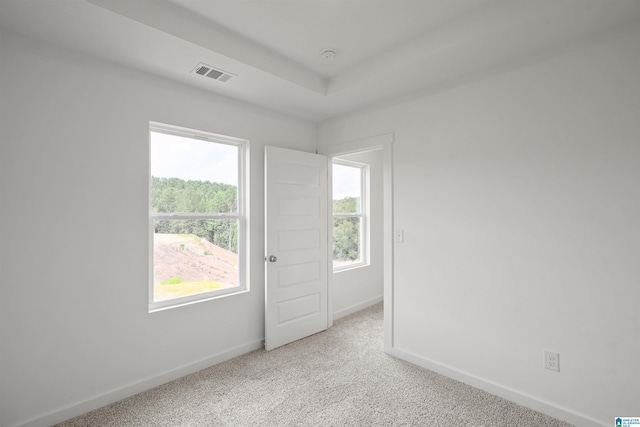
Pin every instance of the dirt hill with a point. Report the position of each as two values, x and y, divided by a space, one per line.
192 259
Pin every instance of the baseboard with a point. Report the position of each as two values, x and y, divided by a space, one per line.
112 396
532 402
357 307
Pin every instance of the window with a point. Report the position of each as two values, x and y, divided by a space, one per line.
350 214
197 216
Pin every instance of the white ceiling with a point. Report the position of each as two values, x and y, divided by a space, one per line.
358 30
386 49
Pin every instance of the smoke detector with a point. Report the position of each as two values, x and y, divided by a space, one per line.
328 54
213 73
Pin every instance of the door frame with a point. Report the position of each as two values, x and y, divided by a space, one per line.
385 143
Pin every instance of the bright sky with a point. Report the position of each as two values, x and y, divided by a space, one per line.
193 159
346 181
197 160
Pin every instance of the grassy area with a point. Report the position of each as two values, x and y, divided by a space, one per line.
171 289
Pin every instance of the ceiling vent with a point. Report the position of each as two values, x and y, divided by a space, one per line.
213 73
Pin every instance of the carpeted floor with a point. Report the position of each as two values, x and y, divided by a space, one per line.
340 377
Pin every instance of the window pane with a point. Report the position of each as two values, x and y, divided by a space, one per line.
347 188
346 241
193 176
194 256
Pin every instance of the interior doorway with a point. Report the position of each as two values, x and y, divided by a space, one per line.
300 169
357 234
383 144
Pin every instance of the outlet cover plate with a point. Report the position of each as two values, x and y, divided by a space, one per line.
552 360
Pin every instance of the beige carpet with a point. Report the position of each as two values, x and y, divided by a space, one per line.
340 377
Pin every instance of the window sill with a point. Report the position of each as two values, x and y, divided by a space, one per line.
350 267
182 302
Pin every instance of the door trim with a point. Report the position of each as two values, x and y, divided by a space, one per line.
385 143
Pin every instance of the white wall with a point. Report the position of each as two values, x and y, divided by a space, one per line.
74 325
519 197
357 288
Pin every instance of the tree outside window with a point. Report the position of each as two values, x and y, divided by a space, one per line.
349 214
196 211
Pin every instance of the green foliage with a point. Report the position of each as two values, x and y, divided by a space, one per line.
346 230
347 205
172 281
174 195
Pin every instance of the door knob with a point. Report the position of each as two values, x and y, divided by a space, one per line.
273 258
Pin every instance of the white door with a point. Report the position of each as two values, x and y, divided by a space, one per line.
296 245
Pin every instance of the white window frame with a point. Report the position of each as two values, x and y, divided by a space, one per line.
363 215
242 216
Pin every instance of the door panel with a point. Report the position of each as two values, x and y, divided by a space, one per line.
296 242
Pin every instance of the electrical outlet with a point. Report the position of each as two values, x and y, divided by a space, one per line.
551 361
